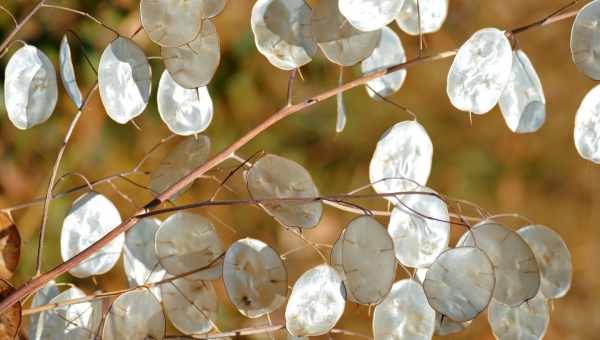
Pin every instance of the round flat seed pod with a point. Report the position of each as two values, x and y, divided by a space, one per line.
274 177
316 303
194 64
212 8
67 72
585 39
139 255
255 278
185 111
553 258
480 71
190 305
30 89
367 260
124 80
370 15
587 125
432 16
404 314
171 23
341 43
186 242
135 315
90 218
36 320
10 247
444 326
79 321
389 52
335 260
403 154
10 320
419 228
522 103
460 283
189 154
528 321
515 267
282 32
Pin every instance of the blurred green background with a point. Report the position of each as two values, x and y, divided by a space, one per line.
538 175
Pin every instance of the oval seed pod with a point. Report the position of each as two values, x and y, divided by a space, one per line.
404 314
171 23
194 64
480 71
553 258
186 112
341 43
90 218
368 262
124 80
431 14
403 154
255 277
335 260
316 303
522 103
388 53
190 305
282 32
189 154
134 315
527 321
36 320
587 126
67 72
140 262
419 228
585 40
460 283
515 267
186 242
273 177
370 15
212 8
30 89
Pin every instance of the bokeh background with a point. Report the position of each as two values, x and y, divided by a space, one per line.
538 175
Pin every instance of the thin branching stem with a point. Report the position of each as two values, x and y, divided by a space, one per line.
82 13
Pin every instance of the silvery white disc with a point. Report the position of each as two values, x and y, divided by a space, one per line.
316 303
190 305
335 260
282 32
403 153
553 258
587 126
171 23
419 240
341 42
186 112
480 71
67 72
189 154
370 15
90 218
140 262
585 39
515 267
37 327
368 261
273 177
460 283
528 321
186 242
134 315
255 278
444 326
432 15
212 8
404 314
124 80
522 103
388 53
30 89
194 64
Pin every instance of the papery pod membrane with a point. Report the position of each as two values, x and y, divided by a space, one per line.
370 15
36 321
10 319
190 305
585 37
430 13
134 315
172 23
67 72
10 247
389 52
529 321
587 126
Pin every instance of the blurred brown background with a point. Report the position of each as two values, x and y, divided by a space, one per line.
538 175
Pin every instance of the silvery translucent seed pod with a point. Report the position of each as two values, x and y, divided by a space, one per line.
370 15
587 126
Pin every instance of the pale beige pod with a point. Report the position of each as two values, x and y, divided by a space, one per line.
171 23
135 315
